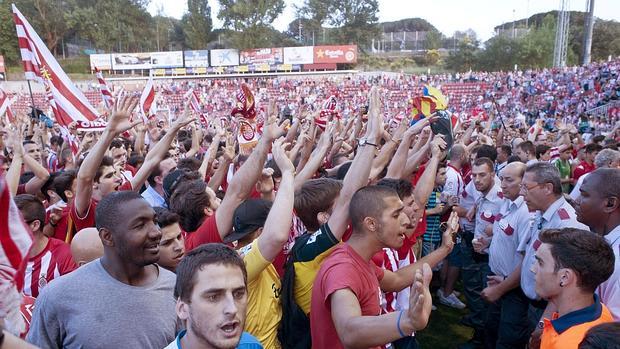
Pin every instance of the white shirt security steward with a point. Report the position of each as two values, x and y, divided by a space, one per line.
487 208
511 226
559 215
609 291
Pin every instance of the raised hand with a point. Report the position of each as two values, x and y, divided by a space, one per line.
279 156
438 145
452 228
420 301
272 130
119 121
185 119
229 150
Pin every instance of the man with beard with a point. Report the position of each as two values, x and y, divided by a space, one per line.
123 294
598 207
212 299
475 253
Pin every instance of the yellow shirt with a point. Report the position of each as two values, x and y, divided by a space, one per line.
305 273
307 261
264 309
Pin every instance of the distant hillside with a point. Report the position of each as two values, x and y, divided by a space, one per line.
536 20
407 25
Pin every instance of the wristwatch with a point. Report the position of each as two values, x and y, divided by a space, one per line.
540 325
364 141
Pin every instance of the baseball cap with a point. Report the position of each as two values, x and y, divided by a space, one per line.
248 217
171 181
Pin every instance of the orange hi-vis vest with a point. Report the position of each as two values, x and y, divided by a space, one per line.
566 332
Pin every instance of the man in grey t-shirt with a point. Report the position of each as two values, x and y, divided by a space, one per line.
123 299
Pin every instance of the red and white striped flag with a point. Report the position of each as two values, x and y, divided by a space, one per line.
5 102
40 65
147 98
71 139
10 115
15 243
194 104
106 94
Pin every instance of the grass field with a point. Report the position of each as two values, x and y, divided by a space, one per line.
444 330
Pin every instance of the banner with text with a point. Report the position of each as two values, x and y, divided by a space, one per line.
298 55
199 58
335 54
261 55
128 61
101 61
224 57
172 59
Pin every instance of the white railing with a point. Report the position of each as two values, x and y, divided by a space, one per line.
603 109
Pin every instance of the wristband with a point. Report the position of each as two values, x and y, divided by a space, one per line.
398 324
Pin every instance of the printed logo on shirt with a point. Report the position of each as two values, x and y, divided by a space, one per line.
487 217
313 237
42 281
563 214
277 291
244 250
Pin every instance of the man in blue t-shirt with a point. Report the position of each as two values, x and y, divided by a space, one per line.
212 299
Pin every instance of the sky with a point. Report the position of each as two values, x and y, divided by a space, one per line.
446 15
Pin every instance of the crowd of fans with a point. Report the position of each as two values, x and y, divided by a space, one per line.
339 228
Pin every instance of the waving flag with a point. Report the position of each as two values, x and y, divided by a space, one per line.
15 243
437 96
108 100
147 98
194 104
5 102
422 107
41 66
328 112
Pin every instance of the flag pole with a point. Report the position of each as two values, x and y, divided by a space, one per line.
31 95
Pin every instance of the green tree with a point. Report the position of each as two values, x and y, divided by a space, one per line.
605 40
355 20
197 24
537 48
250 20
8 37
433 39
500 53
464 58
48 17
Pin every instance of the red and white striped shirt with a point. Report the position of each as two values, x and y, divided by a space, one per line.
392 260
55 260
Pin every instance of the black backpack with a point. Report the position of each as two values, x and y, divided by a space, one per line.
294 329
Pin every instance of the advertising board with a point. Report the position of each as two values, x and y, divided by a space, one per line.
335 54
101 61
261 55
129 61
298 55
224 57
198 58
171 59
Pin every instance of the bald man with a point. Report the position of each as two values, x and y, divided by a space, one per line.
86 246
506 323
